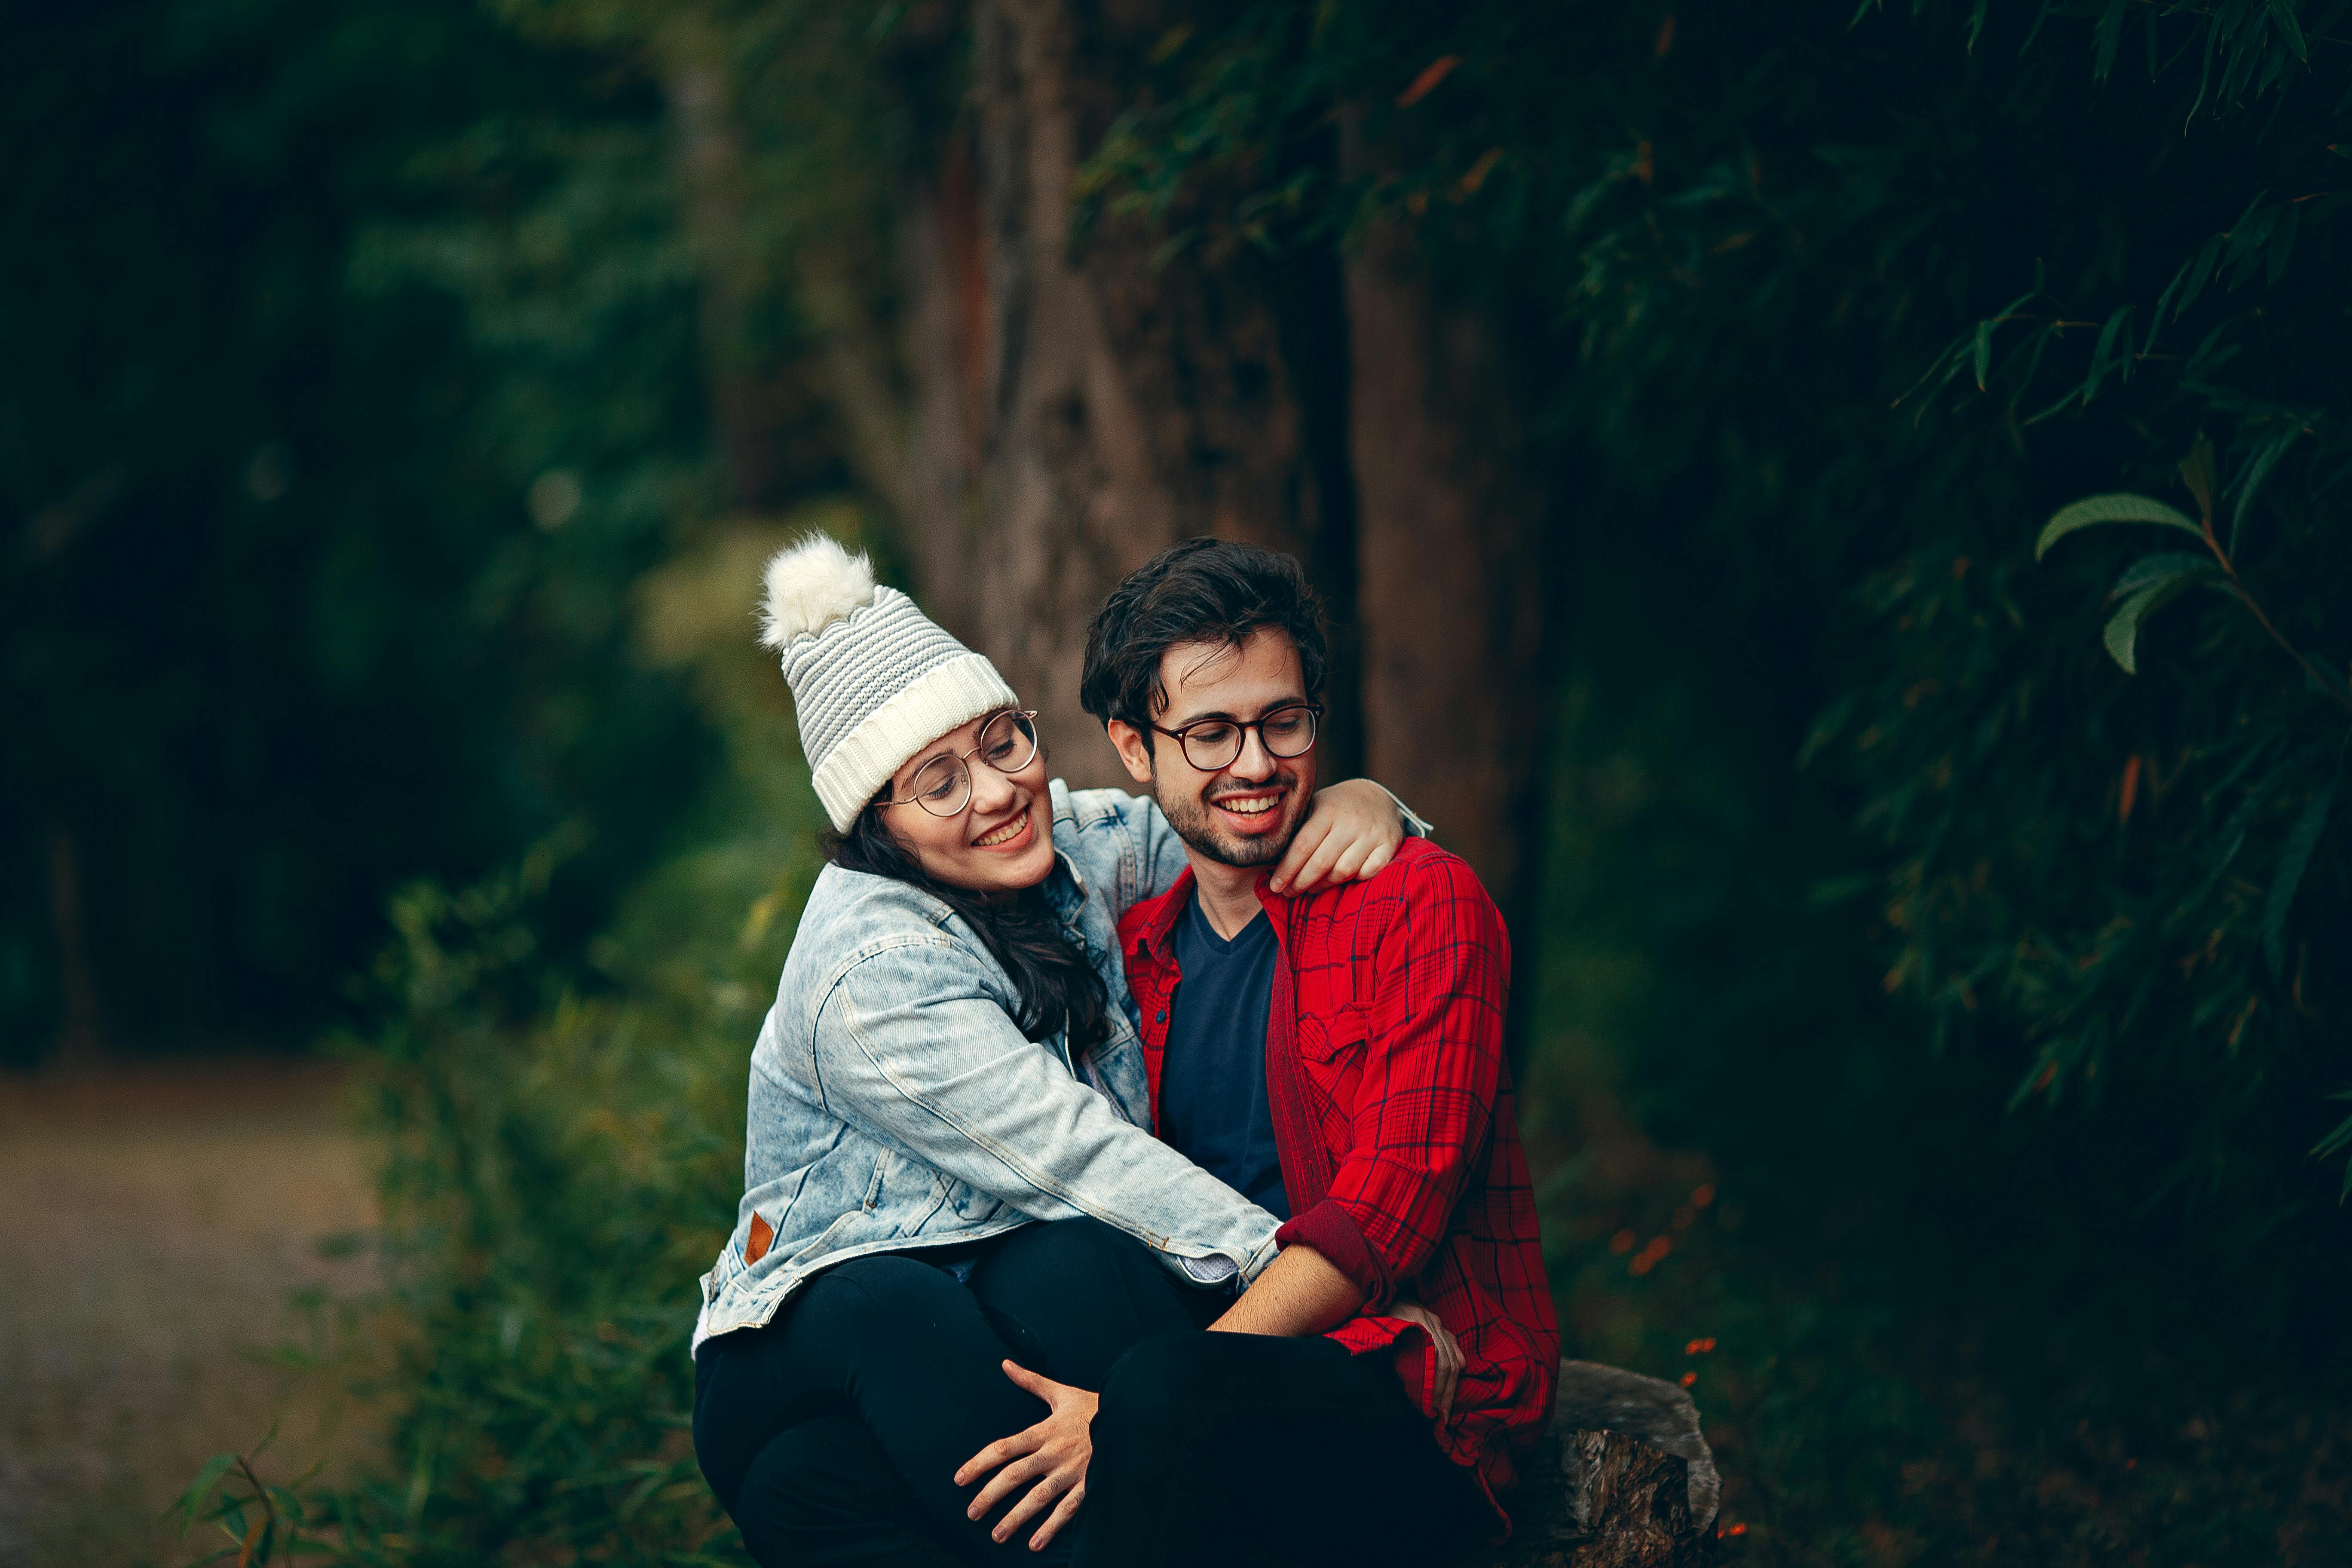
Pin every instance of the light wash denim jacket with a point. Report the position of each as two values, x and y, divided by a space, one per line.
895 1104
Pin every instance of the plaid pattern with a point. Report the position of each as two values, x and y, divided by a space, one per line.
1392 1107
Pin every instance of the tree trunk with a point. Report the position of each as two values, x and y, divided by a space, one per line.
1080 409
754 407
1623 1480
1449 587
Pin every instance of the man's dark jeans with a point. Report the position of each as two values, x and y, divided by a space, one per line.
1242 1448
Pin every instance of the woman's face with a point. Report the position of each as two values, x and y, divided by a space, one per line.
1002 839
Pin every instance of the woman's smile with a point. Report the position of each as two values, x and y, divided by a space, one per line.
1012 835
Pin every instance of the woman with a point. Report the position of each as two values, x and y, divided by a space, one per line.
949 1059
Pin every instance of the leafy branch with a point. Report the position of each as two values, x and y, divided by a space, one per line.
264 1525
2153 581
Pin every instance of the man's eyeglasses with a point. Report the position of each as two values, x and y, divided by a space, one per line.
1210 744
942 786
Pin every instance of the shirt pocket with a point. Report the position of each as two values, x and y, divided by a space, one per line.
1331 1051
1336 1041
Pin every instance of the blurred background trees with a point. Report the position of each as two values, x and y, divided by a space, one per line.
396 396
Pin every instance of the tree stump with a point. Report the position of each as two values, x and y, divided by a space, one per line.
1624 1480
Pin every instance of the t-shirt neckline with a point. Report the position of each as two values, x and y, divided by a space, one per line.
1207 932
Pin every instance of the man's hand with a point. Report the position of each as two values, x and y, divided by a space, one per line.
1054 1453
1449 1351
1352 829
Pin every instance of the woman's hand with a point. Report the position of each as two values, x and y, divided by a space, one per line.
1352 829
1054 1453
1449 1349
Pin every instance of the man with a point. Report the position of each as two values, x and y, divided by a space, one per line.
1337 1058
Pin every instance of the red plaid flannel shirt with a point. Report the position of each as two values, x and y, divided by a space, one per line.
1392 1113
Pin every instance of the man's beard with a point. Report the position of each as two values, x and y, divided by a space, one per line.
1190 820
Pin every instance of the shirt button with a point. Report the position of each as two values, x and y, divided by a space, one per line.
1163 1015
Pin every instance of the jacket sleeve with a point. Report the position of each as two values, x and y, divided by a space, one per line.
1433 1067
910 1048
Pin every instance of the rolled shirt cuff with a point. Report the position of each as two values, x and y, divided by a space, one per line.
1331 1230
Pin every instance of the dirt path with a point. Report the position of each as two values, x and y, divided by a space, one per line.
156 1225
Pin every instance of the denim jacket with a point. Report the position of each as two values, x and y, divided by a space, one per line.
895 1104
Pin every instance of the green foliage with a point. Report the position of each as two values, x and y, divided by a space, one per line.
564 1147
1755 241
559 1167
1858 1422
2096 510
299 303
355 363
556 1174
263 1521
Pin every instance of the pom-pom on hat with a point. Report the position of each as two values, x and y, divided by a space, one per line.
873 679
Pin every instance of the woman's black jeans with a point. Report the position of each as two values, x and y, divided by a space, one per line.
833 1435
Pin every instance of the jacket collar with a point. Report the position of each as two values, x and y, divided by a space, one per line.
1065 888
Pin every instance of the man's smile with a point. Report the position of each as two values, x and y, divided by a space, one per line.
1252 807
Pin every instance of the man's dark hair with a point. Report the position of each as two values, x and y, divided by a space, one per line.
1202 591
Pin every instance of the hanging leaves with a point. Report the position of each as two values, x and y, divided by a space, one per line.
2095 511
2122 636
2282 16
2293 861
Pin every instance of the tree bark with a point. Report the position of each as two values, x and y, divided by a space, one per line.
1449 587
1080 409
754 407
1624 1480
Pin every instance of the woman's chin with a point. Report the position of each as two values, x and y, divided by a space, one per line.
1030 870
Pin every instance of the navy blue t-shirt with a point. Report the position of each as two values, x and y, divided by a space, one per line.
1212 1103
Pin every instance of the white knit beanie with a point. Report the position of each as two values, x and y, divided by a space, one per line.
873 679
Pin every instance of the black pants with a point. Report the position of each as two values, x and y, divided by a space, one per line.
1240 1448
833 1436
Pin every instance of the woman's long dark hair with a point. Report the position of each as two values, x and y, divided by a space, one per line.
1058 985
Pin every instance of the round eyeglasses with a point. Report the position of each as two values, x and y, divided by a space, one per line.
942 786
1211 744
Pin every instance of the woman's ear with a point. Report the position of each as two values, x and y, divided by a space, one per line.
881 820
1134 749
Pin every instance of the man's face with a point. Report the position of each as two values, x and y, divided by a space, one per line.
1244 813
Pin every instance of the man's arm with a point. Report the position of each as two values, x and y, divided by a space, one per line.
1300 1293
1432 1069
1303 1292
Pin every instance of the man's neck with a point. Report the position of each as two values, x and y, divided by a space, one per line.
1228 894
